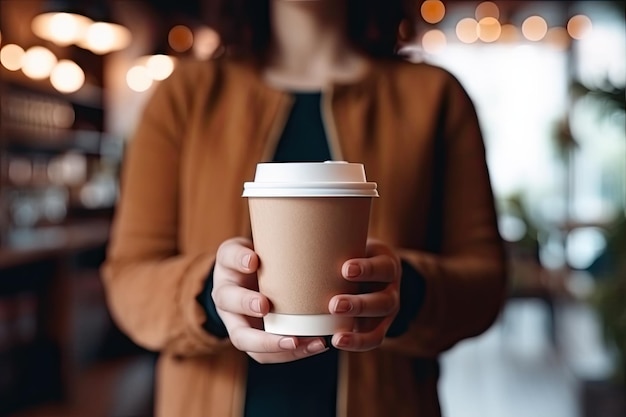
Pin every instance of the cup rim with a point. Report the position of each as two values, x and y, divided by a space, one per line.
310 189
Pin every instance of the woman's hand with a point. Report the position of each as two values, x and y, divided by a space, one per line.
241 307
375 310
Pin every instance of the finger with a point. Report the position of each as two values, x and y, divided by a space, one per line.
256 341
358 342
306 347
248 339
380 268
239 300
237 254
376 304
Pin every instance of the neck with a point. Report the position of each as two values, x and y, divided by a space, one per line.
309 41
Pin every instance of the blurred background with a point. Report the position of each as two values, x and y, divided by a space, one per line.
547 78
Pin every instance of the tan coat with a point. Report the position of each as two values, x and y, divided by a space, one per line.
200 138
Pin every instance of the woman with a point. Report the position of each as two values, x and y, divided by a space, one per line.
304 81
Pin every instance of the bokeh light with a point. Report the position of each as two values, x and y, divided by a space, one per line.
37 62
67 76
138 78
102 38
180 38
433 11
61 28
11 57
205 43
489 29
534 28
434 41
579 26
487 9
467 30
160 66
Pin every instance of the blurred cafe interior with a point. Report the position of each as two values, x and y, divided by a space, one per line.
547 79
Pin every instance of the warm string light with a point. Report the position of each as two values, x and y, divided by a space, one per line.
67 76
433 11
138 78
66 29
201 43
62 29
180 38
579 26
487 9
11 56
434 41
487 27
534 28
39 63
103 37
467 30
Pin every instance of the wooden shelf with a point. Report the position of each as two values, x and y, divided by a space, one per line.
120 387
54 241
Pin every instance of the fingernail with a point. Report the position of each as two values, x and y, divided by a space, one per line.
343 341
343 306
255 305
316 346
287 343
245 261
353 271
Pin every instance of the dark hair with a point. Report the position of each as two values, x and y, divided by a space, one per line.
373 25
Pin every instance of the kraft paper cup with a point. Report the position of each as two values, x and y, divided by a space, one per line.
307 220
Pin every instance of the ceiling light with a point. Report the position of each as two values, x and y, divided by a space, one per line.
37 62
60 28
67 76
86 24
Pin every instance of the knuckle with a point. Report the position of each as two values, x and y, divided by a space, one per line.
236 338
389 267
217 297
268 345
393 302
361 343
367 268
245 305
387 307
358 306
376 339
222 250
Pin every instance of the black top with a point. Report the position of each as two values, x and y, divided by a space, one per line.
304 138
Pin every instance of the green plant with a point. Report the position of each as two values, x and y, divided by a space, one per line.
609 298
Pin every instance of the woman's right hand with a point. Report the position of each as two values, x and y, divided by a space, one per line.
241 307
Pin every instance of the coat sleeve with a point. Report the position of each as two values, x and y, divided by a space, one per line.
151 286
464 271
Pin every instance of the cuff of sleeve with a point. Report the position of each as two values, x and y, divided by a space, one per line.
412 294
213 323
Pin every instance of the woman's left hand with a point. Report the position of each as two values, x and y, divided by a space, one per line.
375 310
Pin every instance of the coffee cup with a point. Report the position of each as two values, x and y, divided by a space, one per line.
307 219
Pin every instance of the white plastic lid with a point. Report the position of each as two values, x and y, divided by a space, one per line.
310 179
